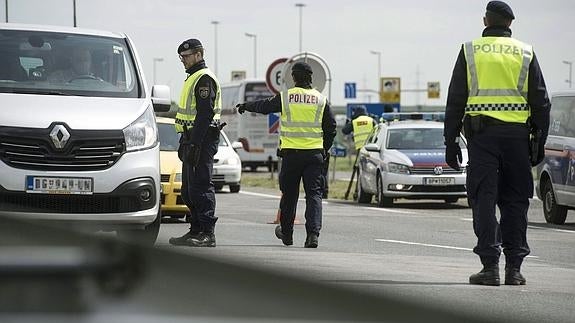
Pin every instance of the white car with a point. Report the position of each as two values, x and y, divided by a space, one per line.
406 159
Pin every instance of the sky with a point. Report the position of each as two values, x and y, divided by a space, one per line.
418 39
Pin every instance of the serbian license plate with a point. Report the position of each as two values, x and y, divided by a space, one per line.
59 185
438 180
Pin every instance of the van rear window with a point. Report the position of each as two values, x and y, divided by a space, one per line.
68 64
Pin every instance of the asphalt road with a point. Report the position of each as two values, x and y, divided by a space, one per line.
420 251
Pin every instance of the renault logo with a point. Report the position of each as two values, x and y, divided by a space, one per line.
438 170
59 136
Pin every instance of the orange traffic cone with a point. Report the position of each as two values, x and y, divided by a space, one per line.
279 214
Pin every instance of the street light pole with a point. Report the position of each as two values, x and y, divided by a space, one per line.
300 6
378 53
6 2
156 59
215 23
255 37
75 25
570 63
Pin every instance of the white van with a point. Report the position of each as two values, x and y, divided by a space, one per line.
78 137
259 134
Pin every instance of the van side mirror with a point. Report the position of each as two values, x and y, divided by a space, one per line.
372 147
161 98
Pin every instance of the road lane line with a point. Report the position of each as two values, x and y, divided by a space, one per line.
532 227
430 245
272 196
260 194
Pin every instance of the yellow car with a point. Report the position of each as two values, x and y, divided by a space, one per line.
170 170
227 168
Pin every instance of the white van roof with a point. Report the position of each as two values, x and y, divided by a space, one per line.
63 29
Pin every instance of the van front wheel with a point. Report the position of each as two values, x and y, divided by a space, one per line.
146 236
553 212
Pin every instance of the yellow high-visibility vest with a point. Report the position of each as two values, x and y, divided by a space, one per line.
362 127
187 107
497 76
301 118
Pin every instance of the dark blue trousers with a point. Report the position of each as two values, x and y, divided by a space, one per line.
499 173
198 191
298 165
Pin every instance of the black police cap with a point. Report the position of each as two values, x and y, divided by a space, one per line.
501 8
189 44
301 67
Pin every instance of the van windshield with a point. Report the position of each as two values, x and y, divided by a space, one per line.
35 62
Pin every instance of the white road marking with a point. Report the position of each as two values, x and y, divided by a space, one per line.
272 196
326 202
430 245
532 227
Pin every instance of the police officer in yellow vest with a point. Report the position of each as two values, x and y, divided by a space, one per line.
197 120
307 130
361 125
498 96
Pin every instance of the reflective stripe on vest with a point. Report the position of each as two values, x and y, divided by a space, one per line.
187 107
497 76
301 118
362 127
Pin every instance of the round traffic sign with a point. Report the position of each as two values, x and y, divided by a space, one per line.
274 75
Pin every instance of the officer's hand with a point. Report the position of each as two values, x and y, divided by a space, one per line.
193 155
190 153
326 156
453 156
540 154
241 107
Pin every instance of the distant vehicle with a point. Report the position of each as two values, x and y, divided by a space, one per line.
556 174
227 168
257 133
78 137
406 159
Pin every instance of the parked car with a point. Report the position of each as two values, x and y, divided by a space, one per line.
227 168
78 138
556 174
406 159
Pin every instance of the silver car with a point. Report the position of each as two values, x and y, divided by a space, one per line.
406 159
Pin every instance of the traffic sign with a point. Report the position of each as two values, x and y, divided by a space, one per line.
350 90
432 90
274 75
390 90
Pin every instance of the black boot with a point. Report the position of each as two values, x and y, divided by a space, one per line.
183 240
285 238
489 275
204 239
513 276
311 240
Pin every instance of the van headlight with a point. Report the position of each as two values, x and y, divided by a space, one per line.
142 133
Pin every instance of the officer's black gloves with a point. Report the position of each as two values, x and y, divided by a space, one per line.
241 107
188 152
453 156
325 155
540 154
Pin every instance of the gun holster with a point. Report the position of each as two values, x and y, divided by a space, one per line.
472 126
